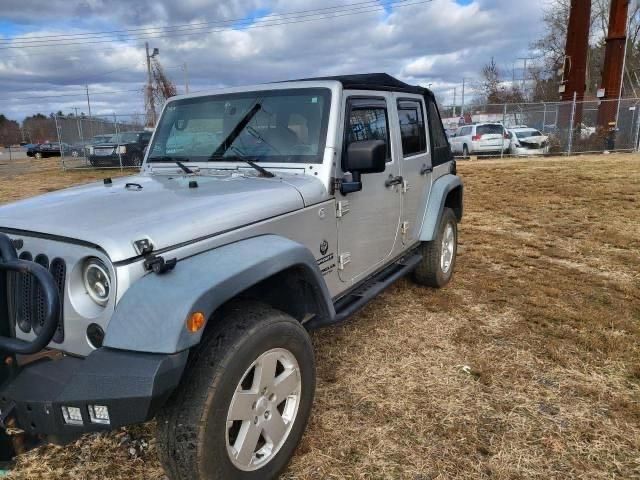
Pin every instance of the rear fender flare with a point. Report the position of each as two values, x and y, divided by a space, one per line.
436 204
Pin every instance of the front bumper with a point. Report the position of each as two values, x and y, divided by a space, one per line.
132 385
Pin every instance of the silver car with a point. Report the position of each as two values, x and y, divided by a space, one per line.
185 293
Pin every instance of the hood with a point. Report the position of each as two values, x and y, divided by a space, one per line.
162 208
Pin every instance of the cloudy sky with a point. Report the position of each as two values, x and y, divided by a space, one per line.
51 49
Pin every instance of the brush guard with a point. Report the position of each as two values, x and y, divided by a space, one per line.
9 262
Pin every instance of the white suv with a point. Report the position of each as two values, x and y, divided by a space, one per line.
483 138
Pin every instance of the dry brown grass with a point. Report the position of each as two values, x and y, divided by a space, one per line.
528 366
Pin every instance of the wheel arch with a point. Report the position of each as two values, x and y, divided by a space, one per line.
151 315
446 192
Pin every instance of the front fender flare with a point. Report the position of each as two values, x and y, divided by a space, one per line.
151 315
437 199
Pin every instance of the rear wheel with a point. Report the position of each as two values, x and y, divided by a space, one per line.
439 256
38 155
244 403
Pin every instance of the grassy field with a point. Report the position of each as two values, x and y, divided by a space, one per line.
527 366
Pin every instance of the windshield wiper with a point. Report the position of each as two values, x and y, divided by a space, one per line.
182 166
248 160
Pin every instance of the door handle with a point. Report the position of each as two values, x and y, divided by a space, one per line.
391 181
426 169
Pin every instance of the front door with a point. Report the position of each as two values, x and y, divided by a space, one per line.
415 164
369 220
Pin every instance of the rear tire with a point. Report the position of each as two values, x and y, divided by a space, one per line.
439 256
196 439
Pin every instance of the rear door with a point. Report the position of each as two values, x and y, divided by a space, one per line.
415 163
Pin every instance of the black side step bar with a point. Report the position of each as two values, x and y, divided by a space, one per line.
358 298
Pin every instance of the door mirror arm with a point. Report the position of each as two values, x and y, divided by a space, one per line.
351 186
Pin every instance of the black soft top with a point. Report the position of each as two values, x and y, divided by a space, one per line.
374 81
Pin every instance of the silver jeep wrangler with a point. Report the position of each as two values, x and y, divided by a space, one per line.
186 293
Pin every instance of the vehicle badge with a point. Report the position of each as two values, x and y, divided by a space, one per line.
324 247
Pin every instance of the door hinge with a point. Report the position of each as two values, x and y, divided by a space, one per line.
343 260
405 228
405 186
342 208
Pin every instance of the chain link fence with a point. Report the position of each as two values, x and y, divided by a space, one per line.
571 127
109 141
119 140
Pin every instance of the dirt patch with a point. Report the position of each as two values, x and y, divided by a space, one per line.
526 367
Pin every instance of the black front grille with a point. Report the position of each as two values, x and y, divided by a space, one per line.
28 304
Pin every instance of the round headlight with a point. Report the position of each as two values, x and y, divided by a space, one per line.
97 281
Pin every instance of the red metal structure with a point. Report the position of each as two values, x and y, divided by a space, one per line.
575 64
613 64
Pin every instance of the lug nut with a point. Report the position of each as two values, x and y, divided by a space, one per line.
267 414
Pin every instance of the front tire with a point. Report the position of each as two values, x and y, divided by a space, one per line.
439 256
245 400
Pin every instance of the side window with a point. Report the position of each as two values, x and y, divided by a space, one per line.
466 131
368 123
437 131
441 152
412 131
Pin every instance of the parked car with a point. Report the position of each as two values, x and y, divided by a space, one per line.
482 138
51 149
126 149
186 292
528 141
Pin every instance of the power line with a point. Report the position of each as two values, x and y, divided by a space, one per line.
80 94
41 38
198 31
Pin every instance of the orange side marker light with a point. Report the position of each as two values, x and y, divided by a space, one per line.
195 322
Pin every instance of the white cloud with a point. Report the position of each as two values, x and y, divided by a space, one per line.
437 42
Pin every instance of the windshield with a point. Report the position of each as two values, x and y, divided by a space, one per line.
125 137
528 133
278 126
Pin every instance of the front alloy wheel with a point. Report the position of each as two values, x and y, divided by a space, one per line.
260 417
244 401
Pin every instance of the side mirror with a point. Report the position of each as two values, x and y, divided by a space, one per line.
368 156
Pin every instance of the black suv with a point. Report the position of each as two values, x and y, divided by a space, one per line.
126 149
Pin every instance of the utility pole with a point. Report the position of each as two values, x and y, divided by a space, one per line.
575 61
455 98
463 87
614 63
186 77
89 107
151 108
524 74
